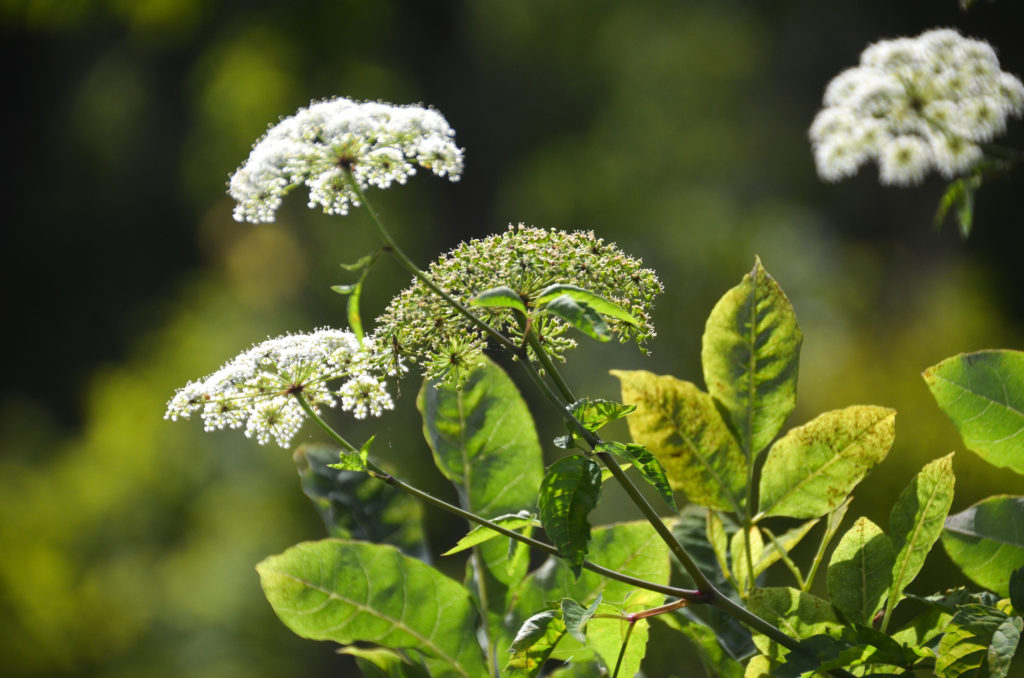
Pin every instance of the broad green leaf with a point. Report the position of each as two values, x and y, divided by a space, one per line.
983 393
588 298
582 317
352 591
632 548
759 666
499 297
811 470
606 634
743 564
978 641
987 541
576 616
354 505
778 548
915 524
534 643
680 424
860 571
648 466
568 493
750 354
482 533
483 439
716 660
796 613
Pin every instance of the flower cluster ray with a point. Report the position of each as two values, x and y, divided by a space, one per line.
255 390
380 144
914 105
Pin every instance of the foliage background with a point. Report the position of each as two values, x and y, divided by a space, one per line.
677 129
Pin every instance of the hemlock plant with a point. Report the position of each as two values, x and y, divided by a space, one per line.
754 491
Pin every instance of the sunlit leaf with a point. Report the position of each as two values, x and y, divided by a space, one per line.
980 640
576 616
750 354
743 558
355 505
353 461
916 522
352 591
986 541
811 470
860 571
534 643
983 393
568 493
796 613
647 464
595 413
482 533
588 298
582 317
680 424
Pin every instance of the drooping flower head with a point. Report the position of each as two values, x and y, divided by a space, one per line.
913 105
419 326
379 143
255 390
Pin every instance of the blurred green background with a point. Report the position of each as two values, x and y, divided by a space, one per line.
677 129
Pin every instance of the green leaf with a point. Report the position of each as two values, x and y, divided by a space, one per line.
860 571
648 466
719 540
354 505
576 616
582 317
595 413
482 533
796 613
680 424
983 393
750 354
382 662
959 194
568 493
587 298
1004 646
363 262
483 439
916 522
986 541
534 643
351 591
811 470
499 297
759 666
354 461
631 548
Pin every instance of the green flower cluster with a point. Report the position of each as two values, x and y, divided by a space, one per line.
421 327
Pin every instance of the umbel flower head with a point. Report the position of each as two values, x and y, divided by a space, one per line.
378 143
419 326
256 390
913 105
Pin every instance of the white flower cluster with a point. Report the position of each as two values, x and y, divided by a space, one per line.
914 104
255 390
379 143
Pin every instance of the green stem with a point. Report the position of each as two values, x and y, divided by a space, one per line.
549 367
381 474
622 651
